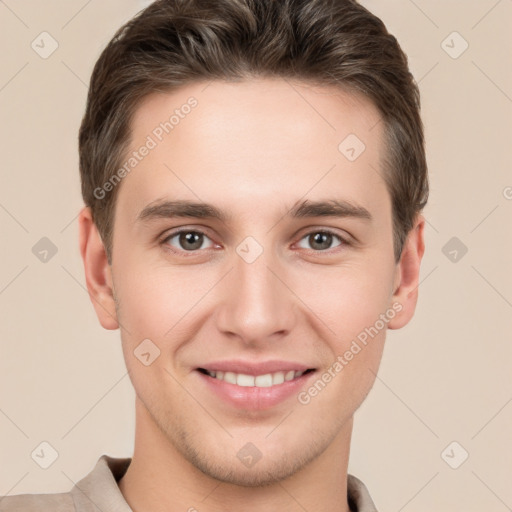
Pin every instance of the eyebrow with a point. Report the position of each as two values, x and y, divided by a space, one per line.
304 209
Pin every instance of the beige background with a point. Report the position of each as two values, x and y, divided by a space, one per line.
445 377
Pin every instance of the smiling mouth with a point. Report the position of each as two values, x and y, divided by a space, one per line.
266 380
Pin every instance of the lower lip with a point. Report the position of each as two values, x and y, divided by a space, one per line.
252 397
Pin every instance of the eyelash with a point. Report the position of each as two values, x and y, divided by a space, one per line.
182 252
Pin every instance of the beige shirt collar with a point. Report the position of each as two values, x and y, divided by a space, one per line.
98 491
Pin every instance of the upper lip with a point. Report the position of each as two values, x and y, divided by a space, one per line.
255 368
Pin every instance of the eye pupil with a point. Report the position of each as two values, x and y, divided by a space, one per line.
324 240
191 237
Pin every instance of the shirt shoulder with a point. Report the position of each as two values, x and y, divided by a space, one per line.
96 492
58 502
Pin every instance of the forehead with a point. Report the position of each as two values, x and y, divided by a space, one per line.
269 139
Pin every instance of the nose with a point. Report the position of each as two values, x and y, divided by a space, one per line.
257 306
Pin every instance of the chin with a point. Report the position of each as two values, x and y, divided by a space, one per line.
263 473
275 465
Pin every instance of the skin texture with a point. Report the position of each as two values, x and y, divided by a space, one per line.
253 149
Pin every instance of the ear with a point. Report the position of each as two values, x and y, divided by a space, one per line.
98 274
407 274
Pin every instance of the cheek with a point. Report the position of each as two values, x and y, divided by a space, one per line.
145 303
346 299
149 307
145 291
160 302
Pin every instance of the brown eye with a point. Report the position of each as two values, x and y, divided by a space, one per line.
321 240
186 240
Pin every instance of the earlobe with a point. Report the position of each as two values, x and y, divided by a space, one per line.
98 275
405 294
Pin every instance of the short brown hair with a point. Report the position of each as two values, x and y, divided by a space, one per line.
329 42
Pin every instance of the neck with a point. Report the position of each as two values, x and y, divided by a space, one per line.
160 479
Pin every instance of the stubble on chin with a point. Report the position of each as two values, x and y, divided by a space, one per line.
220 462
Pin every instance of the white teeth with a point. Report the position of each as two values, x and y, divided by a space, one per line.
244 380
278 378
230 377
263 381
289 375
260 381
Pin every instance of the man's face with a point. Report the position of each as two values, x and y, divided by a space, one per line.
261 291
